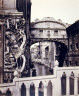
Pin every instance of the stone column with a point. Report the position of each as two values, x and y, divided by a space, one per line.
67 86
36 91
53 92
60 86
16 90
15 4
75 86
27 91
45 90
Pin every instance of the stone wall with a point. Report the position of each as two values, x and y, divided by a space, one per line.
1 51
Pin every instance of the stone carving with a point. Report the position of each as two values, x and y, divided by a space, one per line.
14 46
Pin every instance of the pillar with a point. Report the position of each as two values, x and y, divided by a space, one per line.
67 86
53 90
36 91
45 90
75 86
59 86
27 91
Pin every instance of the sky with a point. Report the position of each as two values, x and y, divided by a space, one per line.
66 10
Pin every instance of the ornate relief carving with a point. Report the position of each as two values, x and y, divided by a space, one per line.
14 46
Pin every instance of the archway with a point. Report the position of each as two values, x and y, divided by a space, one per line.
32 90
23 90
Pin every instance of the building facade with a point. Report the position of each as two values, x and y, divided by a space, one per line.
13 36
73 44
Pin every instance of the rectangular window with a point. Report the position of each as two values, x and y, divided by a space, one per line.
56 32
40 30
48 34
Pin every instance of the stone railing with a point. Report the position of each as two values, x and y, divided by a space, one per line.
44 85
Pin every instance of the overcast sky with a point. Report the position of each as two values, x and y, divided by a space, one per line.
66 10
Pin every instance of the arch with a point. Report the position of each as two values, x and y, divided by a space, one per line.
32 89
59 54
36 40
63 83
72 83
8 92
41 90
23 90
49 89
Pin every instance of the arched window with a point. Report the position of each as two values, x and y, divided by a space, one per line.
63 84
48 34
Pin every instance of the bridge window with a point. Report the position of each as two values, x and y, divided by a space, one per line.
56 32
41 31
48 34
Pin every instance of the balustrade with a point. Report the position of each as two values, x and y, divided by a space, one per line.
55 80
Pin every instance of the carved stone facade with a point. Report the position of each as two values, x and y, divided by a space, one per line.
73 44
14 43
14 39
